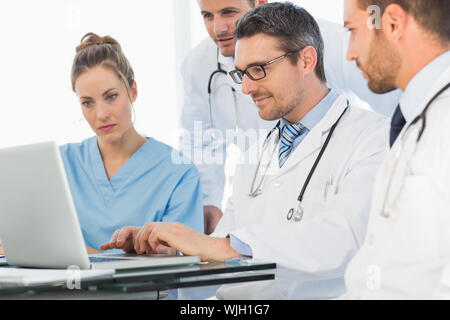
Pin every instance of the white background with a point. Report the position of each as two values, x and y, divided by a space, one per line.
38 40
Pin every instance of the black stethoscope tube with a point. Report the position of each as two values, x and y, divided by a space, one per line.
311 172
297 214
322 150
217 71
422 116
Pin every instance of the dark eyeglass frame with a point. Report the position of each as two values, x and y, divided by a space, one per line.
238 75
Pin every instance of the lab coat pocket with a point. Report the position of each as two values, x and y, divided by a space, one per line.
329 190
408 189
313 202
421 196
423 212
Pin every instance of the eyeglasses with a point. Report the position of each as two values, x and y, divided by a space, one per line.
256 71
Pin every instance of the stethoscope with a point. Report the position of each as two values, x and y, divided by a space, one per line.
294 215
420 118
219 70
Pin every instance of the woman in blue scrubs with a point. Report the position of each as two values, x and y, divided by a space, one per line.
119 177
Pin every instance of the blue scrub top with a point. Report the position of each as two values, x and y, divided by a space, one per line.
148 187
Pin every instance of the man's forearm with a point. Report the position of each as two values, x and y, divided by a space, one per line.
219 249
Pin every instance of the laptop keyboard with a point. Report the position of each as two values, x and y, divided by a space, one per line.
103 259
3 261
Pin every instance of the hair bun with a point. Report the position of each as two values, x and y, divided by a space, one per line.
92 39
104 51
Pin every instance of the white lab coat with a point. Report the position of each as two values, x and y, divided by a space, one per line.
343 76
404 255
311 255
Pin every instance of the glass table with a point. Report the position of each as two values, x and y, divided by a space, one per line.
150 283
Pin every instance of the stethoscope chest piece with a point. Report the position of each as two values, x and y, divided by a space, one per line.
295 215
256 193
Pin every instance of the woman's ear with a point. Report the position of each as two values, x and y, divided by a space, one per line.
134 92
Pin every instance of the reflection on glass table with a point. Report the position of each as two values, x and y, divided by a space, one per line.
152 281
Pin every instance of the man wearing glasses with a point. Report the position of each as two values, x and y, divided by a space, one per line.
301 196
215 114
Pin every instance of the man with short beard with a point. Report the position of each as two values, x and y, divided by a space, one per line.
407 248
211 122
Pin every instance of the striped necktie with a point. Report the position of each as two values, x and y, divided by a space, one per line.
289 133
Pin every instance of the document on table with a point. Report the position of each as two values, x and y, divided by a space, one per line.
32 277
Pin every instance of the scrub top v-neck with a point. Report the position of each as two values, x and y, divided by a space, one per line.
148 187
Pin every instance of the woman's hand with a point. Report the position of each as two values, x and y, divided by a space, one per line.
122 239
91 250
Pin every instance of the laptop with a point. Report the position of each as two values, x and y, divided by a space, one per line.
39 226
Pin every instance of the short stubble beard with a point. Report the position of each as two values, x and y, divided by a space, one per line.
383 65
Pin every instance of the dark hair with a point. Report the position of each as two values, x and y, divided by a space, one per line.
101 51
292 25
432 15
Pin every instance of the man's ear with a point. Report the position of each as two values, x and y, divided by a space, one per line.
308 60
394 21
260 2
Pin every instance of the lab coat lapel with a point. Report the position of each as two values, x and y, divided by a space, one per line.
316 137
385 174
439 84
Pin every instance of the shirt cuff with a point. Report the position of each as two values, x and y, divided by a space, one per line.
240 246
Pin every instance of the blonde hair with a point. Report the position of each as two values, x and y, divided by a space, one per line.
104 51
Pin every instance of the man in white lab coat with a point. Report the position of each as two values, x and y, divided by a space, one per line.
408 240
211 121
279 60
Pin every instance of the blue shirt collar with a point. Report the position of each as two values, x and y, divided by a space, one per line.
313 117
420 85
